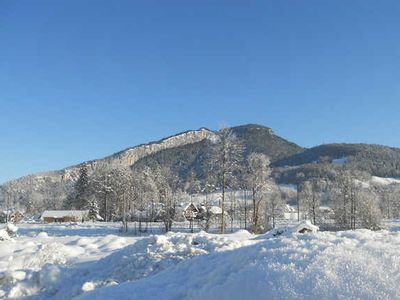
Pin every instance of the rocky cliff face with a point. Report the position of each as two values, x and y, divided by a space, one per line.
41 185
130 156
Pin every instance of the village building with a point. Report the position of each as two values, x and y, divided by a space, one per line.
60 216
190 212
291 213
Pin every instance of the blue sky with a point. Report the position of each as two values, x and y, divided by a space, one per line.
83 79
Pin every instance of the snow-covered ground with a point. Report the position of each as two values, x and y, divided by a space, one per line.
380 181
93 261
340 161
384 181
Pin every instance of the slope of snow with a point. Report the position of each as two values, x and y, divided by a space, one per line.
31 262
4 236
339 161
91 263
346 265
384 181
377 181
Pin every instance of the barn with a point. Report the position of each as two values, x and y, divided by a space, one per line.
60 216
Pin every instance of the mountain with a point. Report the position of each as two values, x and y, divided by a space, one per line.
194 157
51 188
190 152
376 160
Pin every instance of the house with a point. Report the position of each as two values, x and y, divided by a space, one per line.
190 212
291 213
217 211
215 214
59 216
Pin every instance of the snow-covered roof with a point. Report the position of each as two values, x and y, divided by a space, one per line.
290 209
64 213
325 209
10 212
187 206
216 210
305 225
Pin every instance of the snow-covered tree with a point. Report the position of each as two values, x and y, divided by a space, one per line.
390 200
162 178
78 198
192 185
94 212
110 187
355 205
226 157
310 192
144 194
260 182
274 206
368 212
344 193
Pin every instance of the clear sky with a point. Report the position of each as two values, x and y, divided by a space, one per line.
80 79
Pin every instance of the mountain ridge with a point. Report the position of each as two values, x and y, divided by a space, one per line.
188 150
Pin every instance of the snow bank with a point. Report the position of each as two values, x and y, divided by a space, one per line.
9 231
4 235
357 264
32 264
347 265
149 256
42 235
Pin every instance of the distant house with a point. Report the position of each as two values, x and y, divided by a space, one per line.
215 214
59 216
190 212
325 210
291 213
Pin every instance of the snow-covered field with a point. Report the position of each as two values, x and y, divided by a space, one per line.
94 261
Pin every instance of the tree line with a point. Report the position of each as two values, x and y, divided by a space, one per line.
150 193
153 193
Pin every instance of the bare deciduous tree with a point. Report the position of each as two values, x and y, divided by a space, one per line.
225 161
259 180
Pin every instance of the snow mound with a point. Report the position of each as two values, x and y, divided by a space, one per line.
302 227
11 228
42 234
147 257
9 231
345 265
42 265
4 236
305 226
